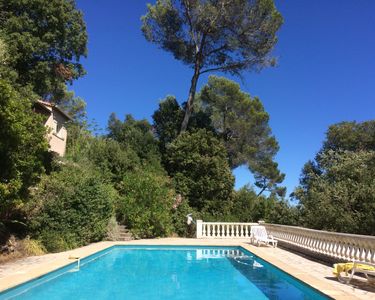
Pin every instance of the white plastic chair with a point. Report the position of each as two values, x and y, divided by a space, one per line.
258 235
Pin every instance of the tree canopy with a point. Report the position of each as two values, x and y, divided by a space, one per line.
136 134
337 190
351 136
45 41
241 121
214 35
167 120
198 163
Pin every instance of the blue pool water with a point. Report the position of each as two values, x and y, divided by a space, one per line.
158 272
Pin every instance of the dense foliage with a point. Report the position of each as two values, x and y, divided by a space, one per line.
242 124
198 163
45 40
23 150
248 207
146 204
71 207
337 190
135 134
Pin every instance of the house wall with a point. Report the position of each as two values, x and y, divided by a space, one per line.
57 134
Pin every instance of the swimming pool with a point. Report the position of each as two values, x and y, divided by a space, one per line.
167 272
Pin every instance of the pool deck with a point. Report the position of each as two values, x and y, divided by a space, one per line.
313 273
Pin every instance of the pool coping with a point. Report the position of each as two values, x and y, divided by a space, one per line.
264 253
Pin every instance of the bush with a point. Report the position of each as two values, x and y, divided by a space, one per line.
145 204
70 208
31 247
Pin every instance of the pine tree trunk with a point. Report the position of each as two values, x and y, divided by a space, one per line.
190 101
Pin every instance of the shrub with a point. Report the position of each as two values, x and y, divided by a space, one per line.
30 247
70 208
145 204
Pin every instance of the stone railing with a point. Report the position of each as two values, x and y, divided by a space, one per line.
318 243
336 246
223 230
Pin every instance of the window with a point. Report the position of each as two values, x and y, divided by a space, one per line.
58 129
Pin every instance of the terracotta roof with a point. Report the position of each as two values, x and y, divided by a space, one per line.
49 104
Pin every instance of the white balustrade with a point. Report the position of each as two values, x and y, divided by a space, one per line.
223 230
340 246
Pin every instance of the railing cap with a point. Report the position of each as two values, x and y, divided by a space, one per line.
331 233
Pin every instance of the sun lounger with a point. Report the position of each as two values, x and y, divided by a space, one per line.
352 268
259 235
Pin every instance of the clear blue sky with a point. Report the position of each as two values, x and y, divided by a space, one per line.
326 72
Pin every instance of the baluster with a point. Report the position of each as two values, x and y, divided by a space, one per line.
342 250
364 252
204 230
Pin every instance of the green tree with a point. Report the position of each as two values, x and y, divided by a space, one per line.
45 40
167 121
337 190
146 203
198 163
74 106
351 136
104 154
242 123
23 150
70 208
113 159
137 135
226 36
280 211
247 206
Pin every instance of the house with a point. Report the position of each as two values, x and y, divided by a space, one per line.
55 119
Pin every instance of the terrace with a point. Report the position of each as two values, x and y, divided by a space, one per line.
303 253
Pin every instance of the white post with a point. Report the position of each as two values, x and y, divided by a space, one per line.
199 229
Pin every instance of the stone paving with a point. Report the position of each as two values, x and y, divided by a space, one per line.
316 274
